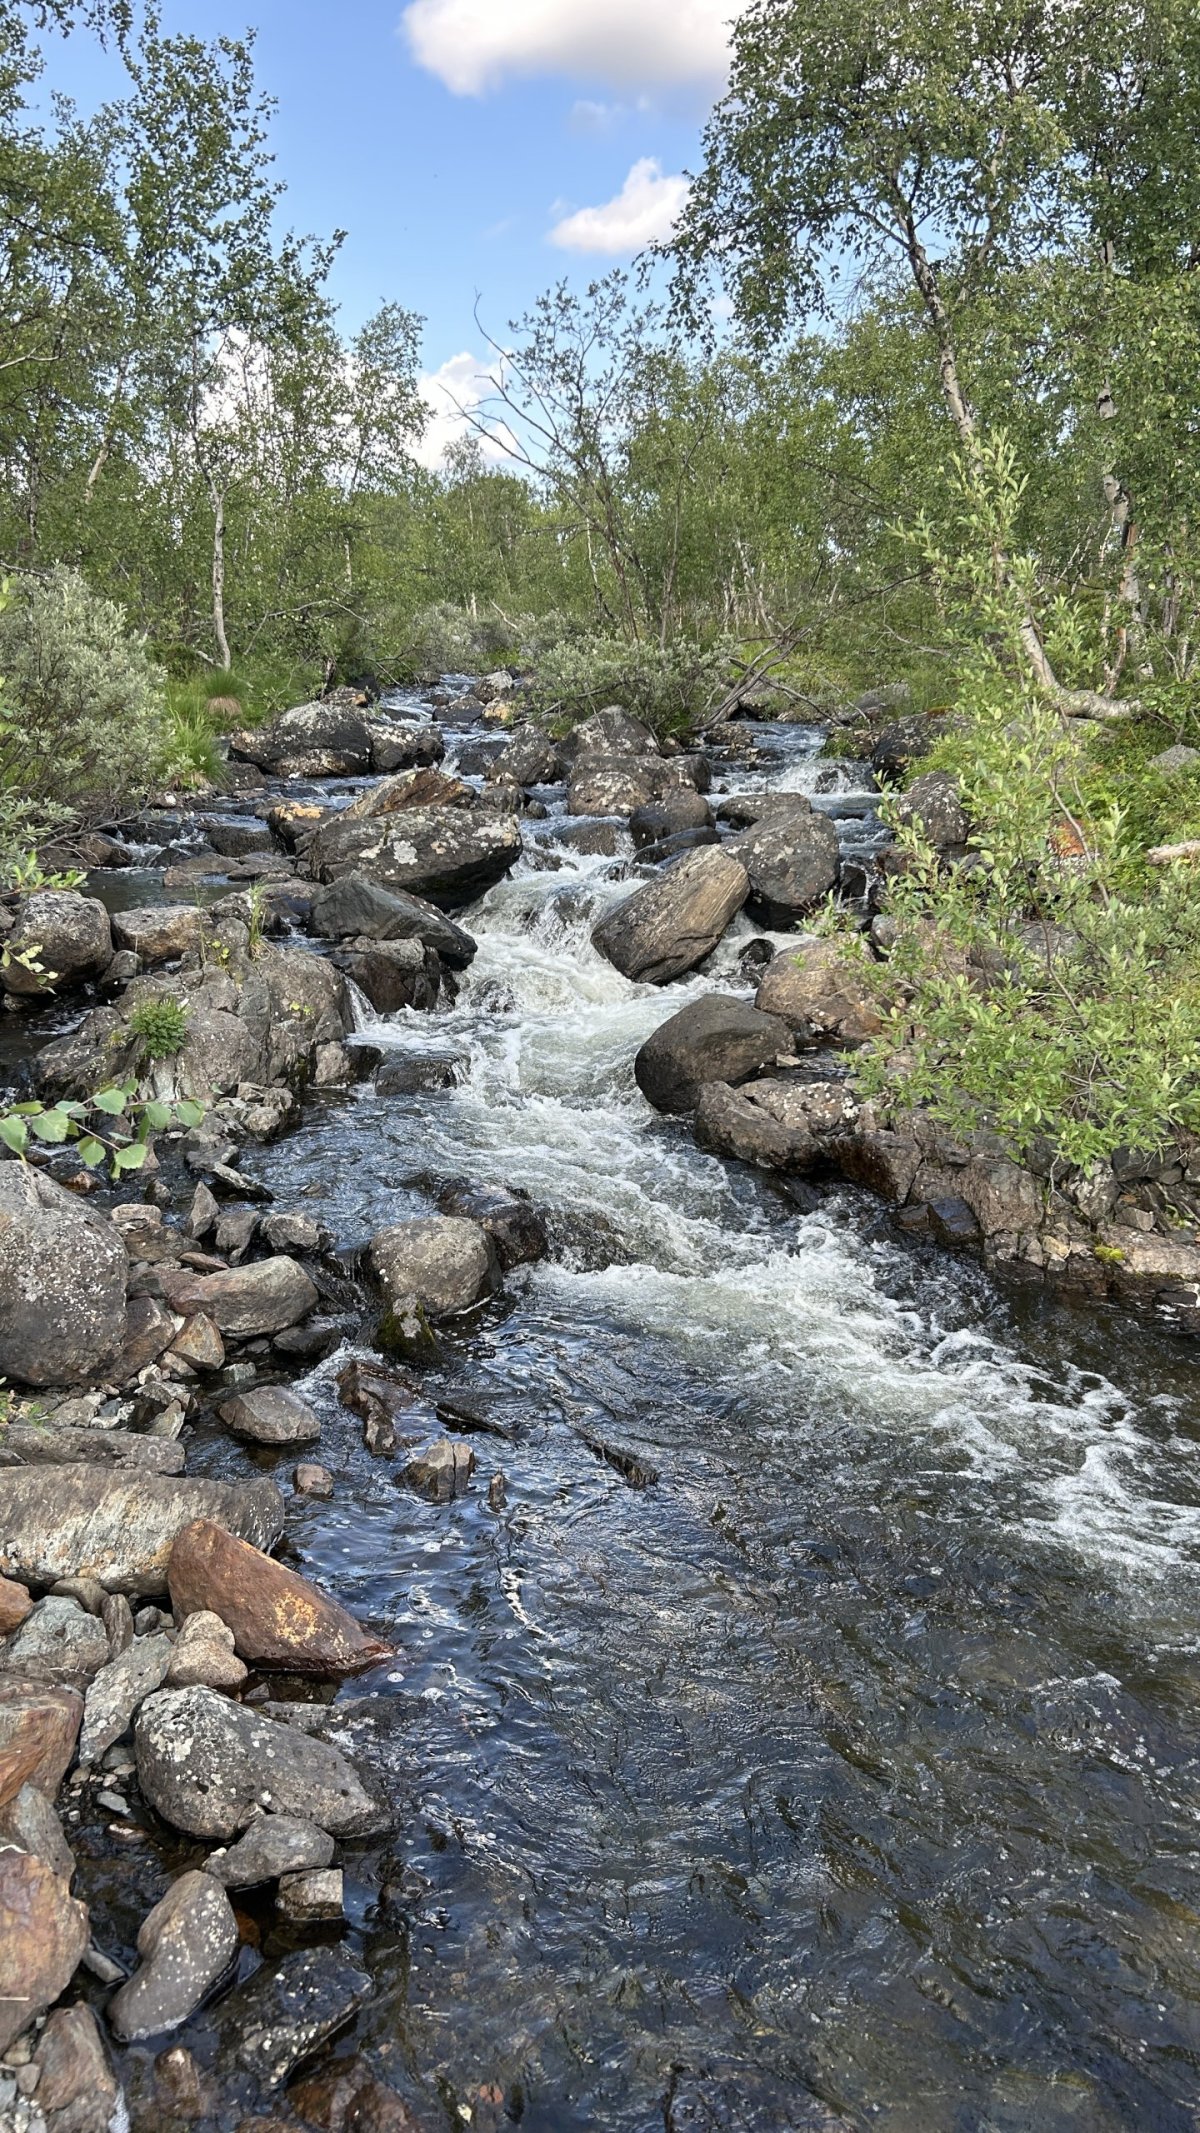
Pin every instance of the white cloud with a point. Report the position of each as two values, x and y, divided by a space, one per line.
474 45
459 389
645 211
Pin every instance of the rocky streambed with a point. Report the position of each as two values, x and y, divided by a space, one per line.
533 1594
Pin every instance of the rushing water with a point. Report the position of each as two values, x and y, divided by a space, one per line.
855 1759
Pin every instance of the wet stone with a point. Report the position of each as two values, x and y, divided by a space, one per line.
186 1944
208 1766
77 2090
441 1472
271 1415
311 1898
312 1480
281 2016
272 1846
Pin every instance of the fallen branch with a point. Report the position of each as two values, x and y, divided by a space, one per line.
1165 855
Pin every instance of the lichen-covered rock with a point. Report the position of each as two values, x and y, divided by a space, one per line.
29 1822
64 936
62 1522
669 926
271 1846
186 1943
119 1690
333 737
446 854
266 1296
59 1643
823 993
63 1273
933 804
792 861
283 2015
207 1766
161 933
446 1263
728 1125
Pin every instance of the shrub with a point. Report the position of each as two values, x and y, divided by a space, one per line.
447 640
672 686
81 732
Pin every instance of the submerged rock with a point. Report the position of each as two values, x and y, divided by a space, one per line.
717 1038
346 2097
187 1943
278 1618
60 1522
63 1272
207 1766
282 2015
673 923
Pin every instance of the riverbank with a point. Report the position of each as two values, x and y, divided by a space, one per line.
678 1830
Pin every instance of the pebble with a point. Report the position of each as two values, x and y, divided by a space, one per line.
112 1803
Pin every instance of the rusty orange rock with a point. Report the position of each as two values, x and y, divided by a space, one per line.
39 1727
15 1605
278 1618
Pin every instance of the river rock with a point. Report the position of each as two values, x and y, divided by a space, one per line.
607 733
393 975
294 1233
902 743
729 1125
16 1605
279 1620
63 1272
199 1343
410 789
615 786
207 1766
265 1297
792 860
121 1449
447 1264
66 934
310 1479
406 1073
822 993
283 2015
717 1038
60 1642
273 1845
933 805
271 1415
39 1727
510 1219
447 854
441 1471
186 1944
346 2097
324 739
530 759
43 1933
149 1329
684 809
312 1898
358 908
58 1522
404 747
204 1656
29 1822
670 925
77 2091
161 933
119 1690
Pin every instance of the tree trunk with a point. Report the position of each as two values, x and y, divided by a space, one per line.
218 578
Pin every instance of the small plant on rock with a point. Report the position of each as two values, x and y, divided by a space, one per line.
162 1027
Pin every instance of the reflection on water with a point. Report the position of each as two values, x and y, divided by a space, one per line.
858 1756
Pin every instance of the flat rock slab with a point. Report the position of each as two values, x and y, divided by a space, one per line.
119 1690
278 1618
121 1448
208 1766
70 1521
282 2016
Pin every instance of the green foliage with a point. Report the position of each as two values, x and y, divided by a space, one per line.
82 721
671 686
161 1026
112 1128
446 639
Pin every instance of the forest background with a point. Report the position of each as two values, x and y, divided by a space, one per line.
943 441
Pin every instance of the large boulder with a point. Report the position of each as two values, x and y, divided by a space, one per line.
358 908
49 1445
729 1123
29 1822
209 1766
279 1620
66 937
186 1943
683 809
717 1038
901 744
409 789
330 739
396 746
267 1296
614 785
393 975
284 2015
161 933
43 1933
670 925
608 733
792 860
444 1261
823 993
529 759
63 1273
448 854
933 805
73 1521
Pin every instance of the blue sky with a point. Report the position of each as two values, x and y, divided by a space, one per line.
452 138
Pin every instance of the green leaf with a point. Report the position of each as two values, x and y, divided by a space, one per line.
52 1126
189 1114
92 1153
112 1101
157 1117
15 1134
131 1158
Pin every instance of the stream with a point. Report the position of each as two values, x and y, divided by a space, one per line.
852 1763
